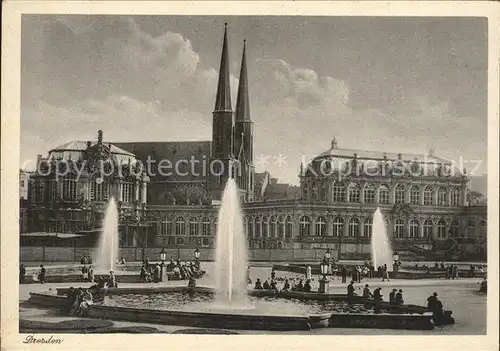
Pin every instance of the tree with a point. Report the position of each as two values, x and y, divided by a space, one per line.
473 197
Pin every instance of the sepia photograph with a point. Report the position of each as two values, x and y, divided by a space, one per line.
253 174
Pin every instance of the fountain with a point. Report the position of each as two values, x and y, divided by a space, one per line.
380 244
107 250
231 251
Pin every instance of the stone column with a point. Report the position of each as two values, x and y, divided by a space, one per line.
137 194
362 192
120 190
144 192
346 225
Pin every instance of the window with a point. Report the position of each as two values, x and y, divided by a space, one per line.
272 226
354 192
281 227
257 227
428 195
454 229
99 191
399 194
53 190
323 191
166 227
128 192
305 226
339 192
180 226
288 227
369 193
471 228
338 226
399 228
354 227
305 191
250 227
265 226
367 227
455 197
383 194
442 197
69 189
441 234
320 226
206 226
314 193
414 228
415 195
193 226
428 229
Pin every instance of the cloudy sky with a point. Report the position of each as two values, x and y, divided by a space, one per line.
388 84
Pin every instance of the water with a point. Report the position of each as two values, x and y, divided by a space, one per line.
380 243
231 251
107 250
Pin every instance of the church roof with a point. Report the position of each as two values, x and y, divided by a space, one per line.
378 155
80 146
223 97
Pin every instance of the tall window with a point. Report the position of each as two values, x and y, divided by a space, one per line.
369 193
166 227
320 226
441 234
367 227
193 226
127 192
306 191
69 189
399 228
180 226
54 193
281 227
354 227
354 192
250 227
383 194
399 194
99 191
265 227
272 226
206 226
323 191
304 226
339 192
454 229
428 229
314 192
455 197
414 228
415 195
288 227
428 195
442 196
257 227
338 226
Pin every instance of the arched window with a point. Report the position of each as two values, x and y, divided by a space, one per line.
272 228
399 194
428 195
69 189
338 226
288 227
354 227
339 192
180 226
265 227
415 195
353 192
383 194
304 226
320 226
454 229
250 232
367 227
369 193
257 227
281 227
455 197
471 228
428 229
206 226
441 234
193 226
399 228
305 192
414 228
166 227
442 196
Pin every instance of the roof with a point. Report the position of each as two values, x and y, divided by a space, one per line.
80 146
190 157
54 235
378 155
259 177
280 191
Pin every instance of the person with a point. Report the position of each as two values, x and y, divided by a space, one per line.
307 286
436 266
286 286
300 286
350 293
41 277
273 285
86 301
192 283
122 260
377 297
455 271
431 302
392 296
91 274
358 274
249 280
85 273
442 266
343 272
367 294
399 297
308 272
385 273
77 300
448 272
22 273
258 284
472 271
436 307
266 285
112 283
483 286
273 274
158 273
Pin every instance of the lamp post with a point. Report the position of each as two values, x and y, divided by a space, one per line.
163 257
197 258
395 259
328 256
324 282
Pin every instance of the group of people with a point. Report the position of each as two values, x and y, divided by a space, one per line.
357 273
80 299
185 270
87 273
452 272
37 276
86 260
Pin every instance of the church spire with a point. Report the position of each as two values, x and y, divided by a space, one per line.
242 103
223 98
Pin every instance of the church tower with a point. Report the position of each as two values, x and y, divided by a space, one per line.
222 128
243 134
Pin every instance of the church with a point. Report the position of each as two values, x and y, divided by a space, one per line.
423 198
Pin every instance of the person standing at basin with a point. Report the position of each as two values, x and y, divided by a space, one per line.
392 296
85 273
258 284
300 286
112 283
192 283
399 298
91 274
266 285
286 286
377 297
41 276
367 294
158 273
350 293
22 273
343 272
274 286
308 272
455 271
307 286
385 273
